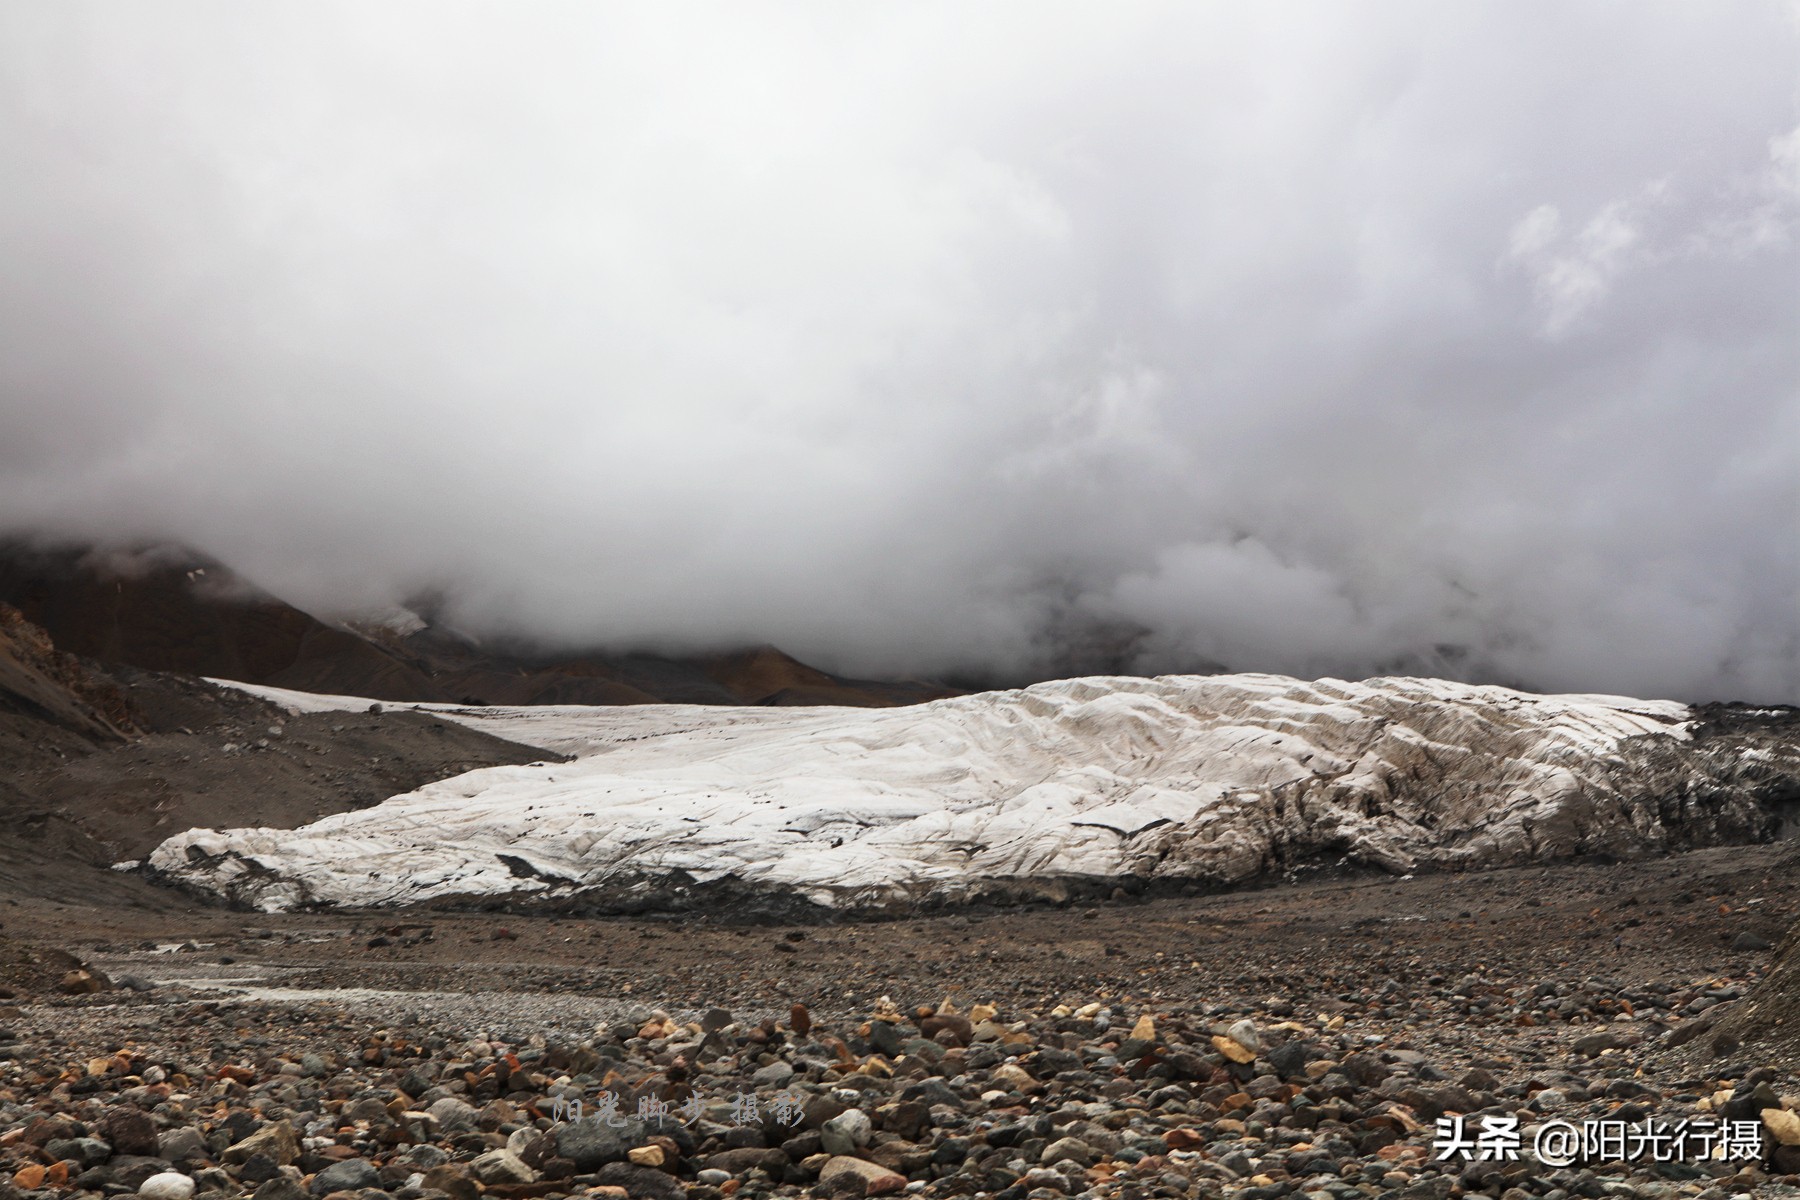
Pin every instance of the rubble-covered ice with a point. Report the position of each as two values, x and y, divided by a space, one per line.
1041 791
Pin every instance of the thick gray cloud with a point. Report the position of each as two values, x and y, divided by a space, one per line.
1316 338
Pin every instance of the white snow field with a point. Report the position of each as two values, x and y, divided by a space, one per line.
1212 779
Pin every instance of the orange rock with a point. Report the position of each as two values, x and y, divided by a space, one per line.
1401 1154
57 1175
31 1175
1233 1051
1404 1115
1183 1139
876 1180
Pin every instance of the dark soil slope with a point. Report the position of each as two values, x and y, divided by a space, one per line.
98 766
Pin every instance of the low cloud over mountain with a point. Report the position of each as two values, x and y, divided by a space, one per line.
1454 340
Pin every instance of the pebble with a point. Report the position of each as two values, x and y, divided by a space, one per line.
875 1179
274 1141
501 1166
847 1132
169 1185
349 1175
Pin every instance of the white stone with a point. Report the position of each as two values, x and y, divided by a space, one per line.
168 1185
847 1132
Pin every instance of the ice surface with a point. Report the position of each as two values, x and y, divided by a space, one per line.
1210 778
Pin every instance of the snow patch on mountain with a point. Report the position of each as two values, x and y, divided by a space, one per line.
1207 779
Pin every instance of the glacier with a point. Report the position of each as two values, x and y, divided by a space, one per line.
1052 791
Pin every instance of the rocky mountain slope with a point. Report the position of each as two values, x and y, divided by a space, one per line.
1050 791
39 682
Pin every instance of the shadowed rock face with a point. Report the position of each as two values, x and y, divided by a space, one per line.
170 609
1049 790
37 681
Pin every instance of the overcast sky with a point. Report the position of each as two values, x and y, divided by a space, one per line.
1319 338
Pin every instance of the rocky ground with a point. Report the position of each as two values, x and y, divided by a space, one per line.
1302 1040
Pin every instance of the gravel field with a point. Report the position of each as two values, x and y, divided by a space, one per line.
1300 1040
